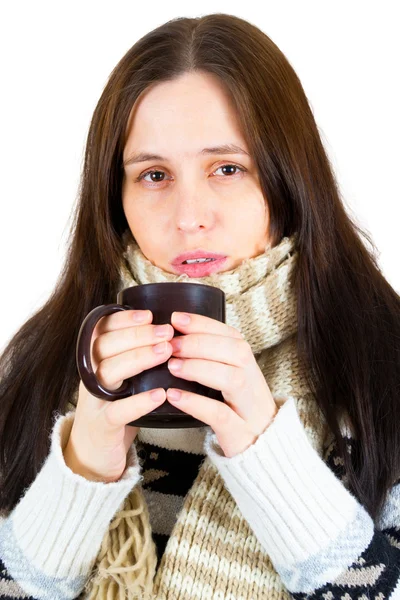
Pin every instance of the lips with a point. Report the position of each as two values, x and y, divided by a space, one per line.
193 254
201 269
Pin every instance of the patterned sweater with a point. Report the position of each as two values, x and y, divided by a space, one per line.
49 541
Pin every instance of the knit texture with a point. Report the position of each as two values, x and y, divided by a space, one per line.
170 461
212 549
260 303
275 521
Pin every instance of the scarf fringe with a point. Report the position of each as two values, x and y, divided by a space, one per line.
256 291
126 563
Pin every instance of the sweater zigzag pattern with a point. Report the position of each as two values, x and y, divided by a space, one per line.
368 577
275 522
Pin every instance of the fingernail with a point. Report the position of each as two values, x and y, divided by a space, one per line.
174 394
160 348
139 317
162 330
175 364
181 318
157 395
176 343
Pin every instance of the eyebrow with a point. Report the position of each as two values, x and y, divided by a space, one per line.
222 149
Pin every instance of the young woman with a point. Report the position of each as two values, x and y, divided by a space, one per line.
203 140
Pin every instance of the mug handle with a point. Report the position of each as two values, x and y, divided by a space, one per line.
83 360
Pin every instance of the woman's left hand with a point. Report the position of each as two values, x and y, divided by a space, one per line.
216 355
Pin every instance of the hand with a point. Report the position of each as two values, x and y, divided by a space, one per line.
216 355
100 435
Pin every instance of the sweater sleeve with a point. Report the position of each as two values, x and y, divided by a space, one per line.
320 539
50 540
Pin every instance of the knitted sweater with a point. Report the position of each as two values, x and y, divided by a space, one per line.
276 520
344 554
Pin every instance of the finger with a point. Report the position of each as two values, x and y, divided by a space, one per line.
231 381
116 321
114 370
117 413
232 351
204 324
130 434
219 376
113 343
221 418
120 320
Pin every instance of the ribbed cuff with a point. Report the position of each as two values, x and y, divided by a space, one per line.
60 522
291 499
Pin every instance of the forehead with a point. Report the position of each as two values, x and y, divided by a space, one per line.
182 117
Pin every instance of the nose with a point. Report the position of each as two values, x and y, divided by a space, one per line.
193 211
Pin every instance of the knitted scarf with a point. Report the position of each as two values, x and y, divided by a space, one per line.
261 304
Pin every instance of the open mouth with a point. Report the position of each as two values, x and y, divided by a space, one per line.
197 260
199 267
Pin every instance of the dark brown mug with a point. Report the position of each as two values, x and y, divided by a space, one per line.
162 299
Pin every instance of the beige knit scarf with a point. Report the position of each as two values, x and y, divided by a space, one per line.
261 304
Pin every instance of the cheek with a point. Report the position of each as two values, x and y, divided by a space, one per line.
249 221
248 209
135 209
258 209
145 224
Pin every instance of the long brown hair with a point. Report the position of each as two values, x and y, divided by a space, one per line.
348 314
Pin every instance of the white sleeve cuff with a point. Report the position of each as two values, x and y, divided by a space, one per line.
291 499
59 523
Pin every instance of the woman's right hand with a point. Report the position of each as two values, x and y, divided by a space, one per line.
100 437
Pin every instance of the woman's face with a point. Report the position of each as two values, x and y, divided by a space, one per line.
193 200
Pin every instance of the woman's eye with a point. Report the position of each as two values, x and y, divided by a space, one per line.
158 172
149 173
229 165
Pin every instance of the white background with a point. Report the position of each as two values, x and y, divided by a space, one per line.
56 58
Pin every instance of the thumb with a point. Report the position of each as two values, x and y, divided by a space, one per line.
130 435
